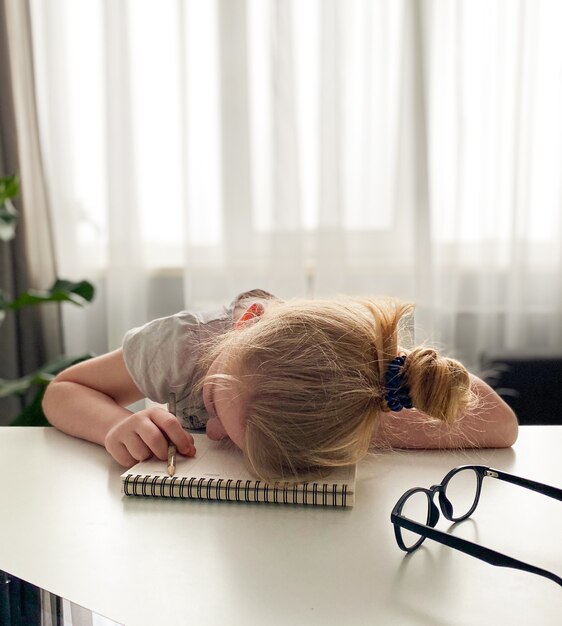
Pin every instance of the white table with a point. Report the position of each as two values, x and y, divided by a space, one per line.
66 528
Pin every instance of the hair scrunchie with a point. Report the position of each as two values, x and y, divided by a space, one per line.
397 393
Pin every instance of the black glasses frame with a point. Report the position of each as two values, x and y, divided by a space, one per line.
428 530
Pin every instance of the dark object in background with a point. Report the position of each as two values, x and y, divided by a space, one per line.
20 602
531 385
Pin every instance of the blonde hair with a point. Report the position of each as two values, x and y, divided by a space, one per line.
312 372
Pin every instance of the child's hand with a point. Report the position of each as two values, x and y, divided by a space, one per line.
146 433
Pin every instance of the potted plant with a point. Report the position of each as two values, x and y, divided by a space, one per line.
32 386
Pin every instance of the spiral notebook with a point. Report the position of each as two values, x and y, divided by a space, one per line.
217 472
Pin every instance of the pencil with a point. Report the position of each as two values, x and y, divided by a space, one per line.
171 446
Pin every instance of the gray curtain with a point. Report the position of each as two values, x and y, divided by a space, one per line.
30 337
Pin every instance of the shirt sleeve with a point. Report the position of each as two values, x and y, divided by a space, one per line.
161 356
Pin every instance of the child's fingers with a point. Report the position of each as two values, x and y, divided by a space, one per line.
170 426
154 438
137 448
122 456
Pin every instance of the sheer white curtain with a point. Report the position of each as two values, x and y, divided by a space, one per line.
310 148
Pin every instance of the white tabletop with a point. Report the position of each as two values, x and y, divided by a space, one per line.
65 527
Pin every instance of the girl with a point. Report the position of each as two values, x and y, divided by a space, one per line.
299 386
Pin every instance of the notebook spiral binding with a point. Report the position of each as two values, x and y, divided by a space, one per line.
315 494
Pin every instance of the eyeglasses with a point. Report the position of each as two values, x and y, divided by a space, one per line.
415 514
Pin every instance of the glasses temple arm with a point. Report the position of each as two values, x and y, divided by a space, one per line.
472 549
546 490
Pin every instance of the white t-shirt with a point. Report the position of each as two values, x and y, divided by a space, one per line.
162 355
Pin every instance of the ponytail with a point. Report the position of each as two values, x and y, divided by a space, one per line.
438 386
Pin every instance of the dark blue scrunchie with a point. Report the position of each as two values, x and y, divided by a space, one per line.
397 393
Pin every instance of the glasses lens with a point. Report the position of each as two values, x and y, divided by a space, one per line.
417 509
461 491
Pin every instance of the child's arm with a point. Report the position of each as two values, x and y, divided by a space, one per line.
491 425
88 400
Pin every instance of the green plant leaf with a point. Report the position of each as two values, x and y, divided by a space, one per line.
41 377
61 291
84 289
9 188
33 414
11 387
8 220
